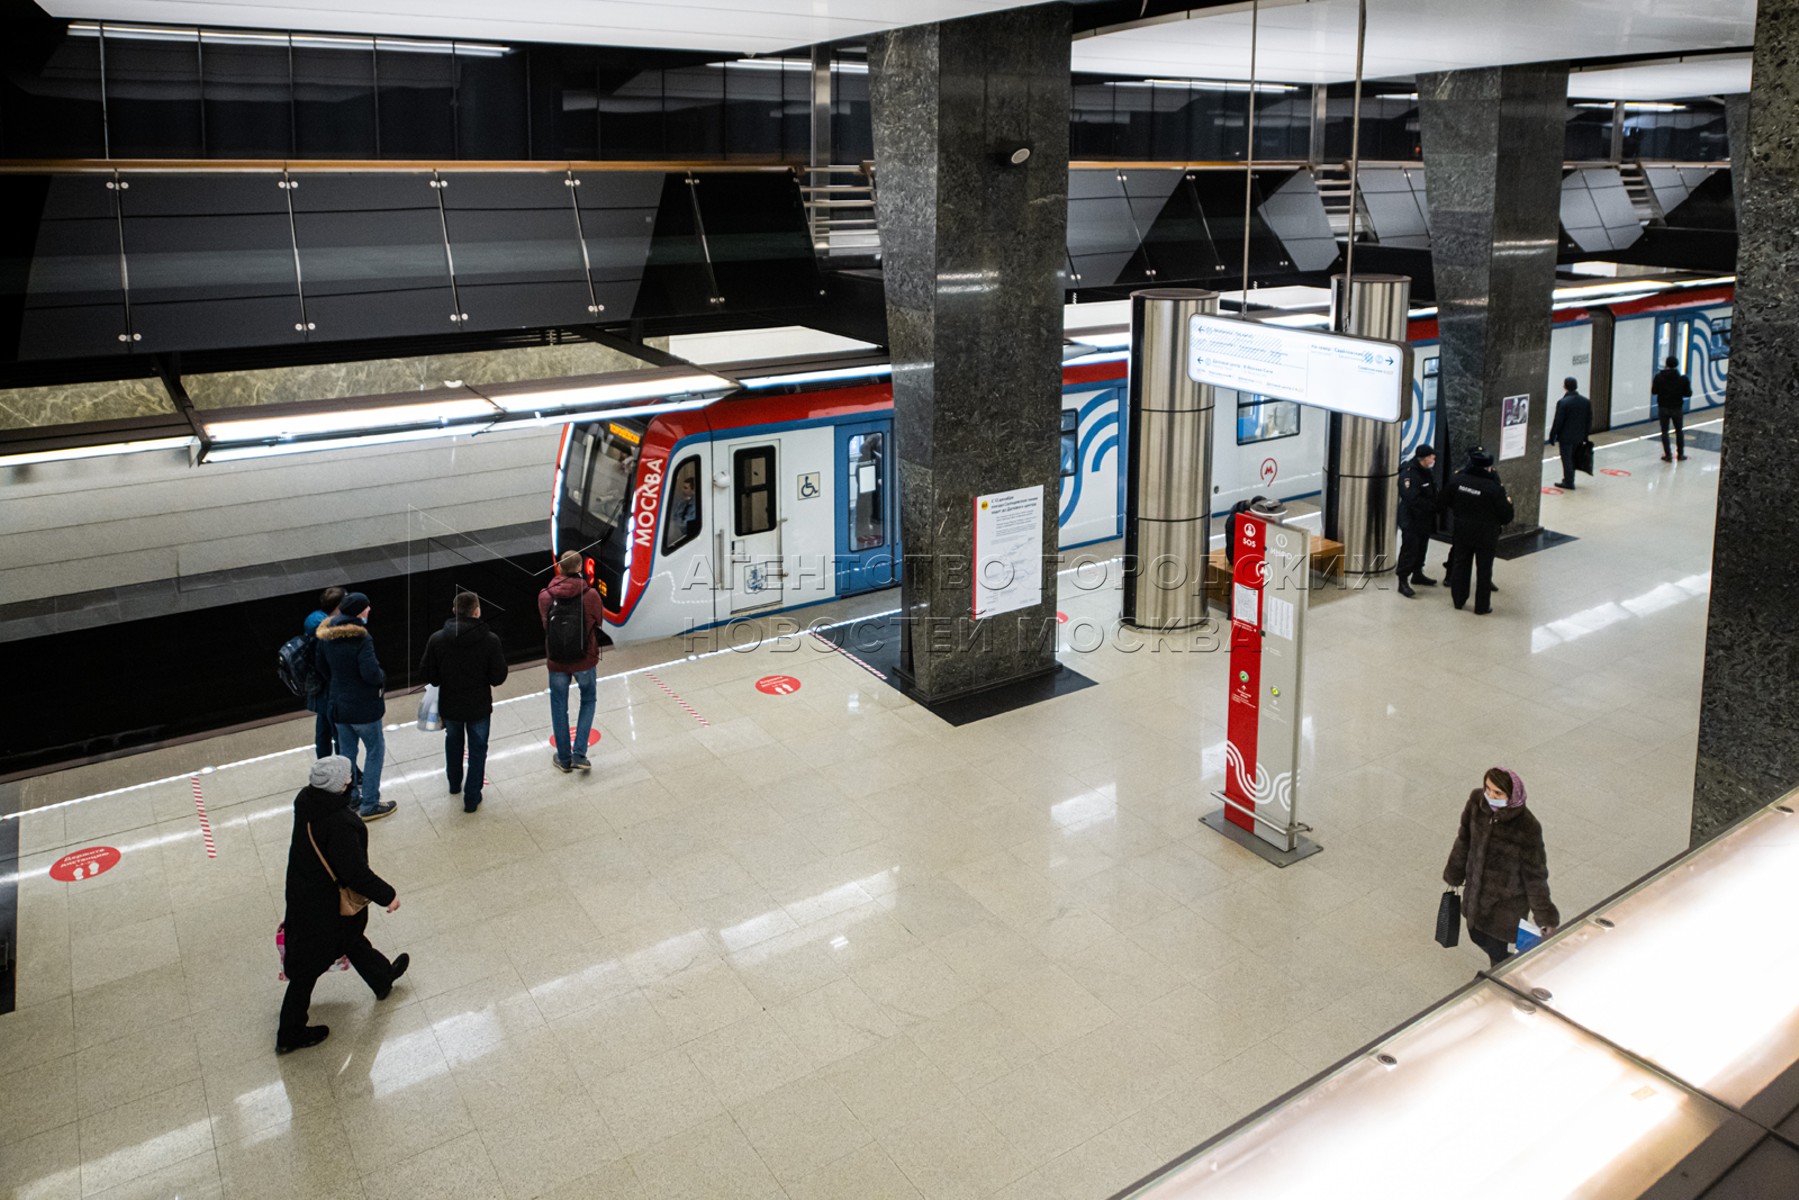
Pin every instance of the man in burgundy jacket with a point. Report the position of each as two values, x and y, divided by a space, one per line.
570 599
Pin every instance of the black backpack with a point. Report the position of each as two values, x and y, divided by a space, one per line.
566 632
293 663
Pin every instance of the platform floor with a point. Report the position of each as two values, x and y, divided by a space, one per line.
825 945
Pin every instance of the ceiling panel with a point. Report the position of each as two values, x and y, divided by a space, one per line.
1670 79
1313 41
743 26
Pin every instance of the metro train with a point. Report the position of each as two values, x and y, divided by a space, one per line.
786 496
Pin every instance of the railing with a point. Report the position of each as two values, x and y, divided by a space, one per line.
840 205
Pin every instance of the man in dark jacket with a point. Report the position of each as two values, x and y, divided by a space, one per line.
354 683
1480 507
1671 389
466 662
324 730
1573 424
329 848
570 607
1499 854
1417 517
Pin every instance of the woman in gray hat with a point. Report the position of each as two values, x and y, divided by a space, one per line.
328 855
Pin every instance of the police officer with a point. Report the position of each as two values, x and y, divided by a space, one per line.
1573 422
1417 515
1481 508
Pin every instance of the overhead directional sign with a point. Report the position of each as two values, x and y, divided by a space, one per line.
1363 377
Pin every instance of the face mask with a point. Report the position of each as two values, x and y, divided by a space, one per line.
1499 803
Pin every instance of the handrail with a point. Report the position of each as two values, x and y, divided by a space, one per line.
276 165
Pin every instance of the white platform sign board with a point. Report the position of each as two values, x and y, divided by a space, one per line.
1514 426
1008 551
1362 377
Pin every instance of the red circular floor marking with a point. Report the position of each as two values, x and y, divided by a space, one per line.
84 864
1061 617
593 737
1552 491
1612 471
777 685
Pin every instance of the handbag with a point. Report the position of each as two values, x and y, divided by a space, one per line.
1583 457
349 900
430 720
1449 920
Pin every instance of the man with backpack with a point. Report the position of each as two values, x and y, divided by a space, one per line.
570 610
355 693
465 662
1671 389
324 732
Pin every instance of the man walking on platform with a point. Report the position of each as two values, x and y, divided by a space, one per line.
465 662
571 615
354 688
1480 507
1671 390
1417 516
1572 426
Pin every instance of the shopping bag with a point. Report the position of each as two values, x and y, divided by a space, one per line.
1528 935
1583 458
342 964
1449 920
430 721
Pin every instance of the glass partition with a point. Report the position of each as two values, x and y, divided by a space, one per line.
67 299
516 247
372 259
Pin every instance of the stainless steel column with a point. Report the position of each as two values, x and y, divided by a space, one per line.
1168 490
1361 485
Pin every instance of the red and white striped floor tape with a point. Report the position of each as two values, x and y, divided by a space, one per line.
212 850
833 645
672 695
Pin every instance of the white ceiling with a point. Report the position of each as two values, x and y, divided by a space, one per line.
1313 41
1669 79
743 26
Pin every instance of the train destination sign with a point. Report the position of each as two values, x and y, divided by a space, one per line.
1362 377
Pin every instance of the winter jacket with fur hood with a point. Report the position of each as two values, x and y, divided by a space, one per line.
353 677
1499 854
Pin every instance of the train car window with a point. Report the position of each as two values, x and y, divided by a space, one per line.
1721 336
753 475
1260 419
1673 339
1071 432
867 490
1431 368
683 522
612 460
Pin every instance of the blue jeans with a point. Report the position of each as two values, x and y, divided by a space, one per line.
475 734
366 796
559 681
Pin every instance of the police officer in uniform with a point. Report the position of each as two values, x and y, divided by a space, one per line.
1480 508
1417 515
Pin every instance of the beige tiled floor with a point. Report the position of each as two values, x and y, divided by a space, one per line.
828 946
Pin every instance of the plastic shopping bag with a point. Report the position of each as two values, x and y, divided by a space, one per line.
1528 935
342 964
429 719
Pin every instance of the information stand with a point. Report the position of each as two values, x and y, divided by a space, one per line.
1270 584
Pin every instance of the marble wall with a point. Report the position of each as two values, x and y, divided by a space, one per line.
1749 708
1493 139
385 376
72 403
974 251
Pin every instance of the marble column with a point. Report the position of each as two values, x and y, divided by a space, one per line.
974 252
1736 132
1493 140
1749 705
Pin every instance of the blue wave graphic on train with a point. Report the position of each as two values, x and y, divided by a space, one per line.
1099 434
1709 358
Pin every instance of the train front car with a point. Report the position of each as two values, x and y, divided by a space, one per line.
592 510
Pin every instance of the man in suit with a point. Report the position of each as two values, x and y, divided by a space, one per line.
1573 423
1671 390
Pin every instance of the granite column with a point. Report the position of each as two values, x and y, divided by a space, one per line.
1493 140
971 167
1749 704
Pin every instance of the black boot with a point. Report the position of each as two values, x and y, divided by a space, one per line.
1405 589
312 1035
1423 580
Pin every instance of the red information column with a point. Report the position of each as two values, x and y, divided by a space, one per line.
1242 717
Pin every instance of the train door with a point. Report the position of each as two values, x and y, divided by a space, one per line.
867 517
1673 339
753 526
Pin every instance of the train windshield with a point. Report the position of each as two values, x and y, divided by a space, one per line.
602 461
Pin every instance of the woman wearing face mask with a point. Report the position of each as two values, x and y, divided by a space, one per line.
1499 855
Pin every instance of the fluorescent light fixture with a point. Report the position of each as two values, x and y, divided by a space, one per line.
237 453
1105 341
71 453
248 37
1297 320
351 420
1210 85
536 399
566 417
1418 314
1621 298
871 371
1637 106
789 64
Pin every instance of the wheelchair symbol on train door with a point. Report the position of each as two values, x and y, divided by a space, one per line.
809 486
